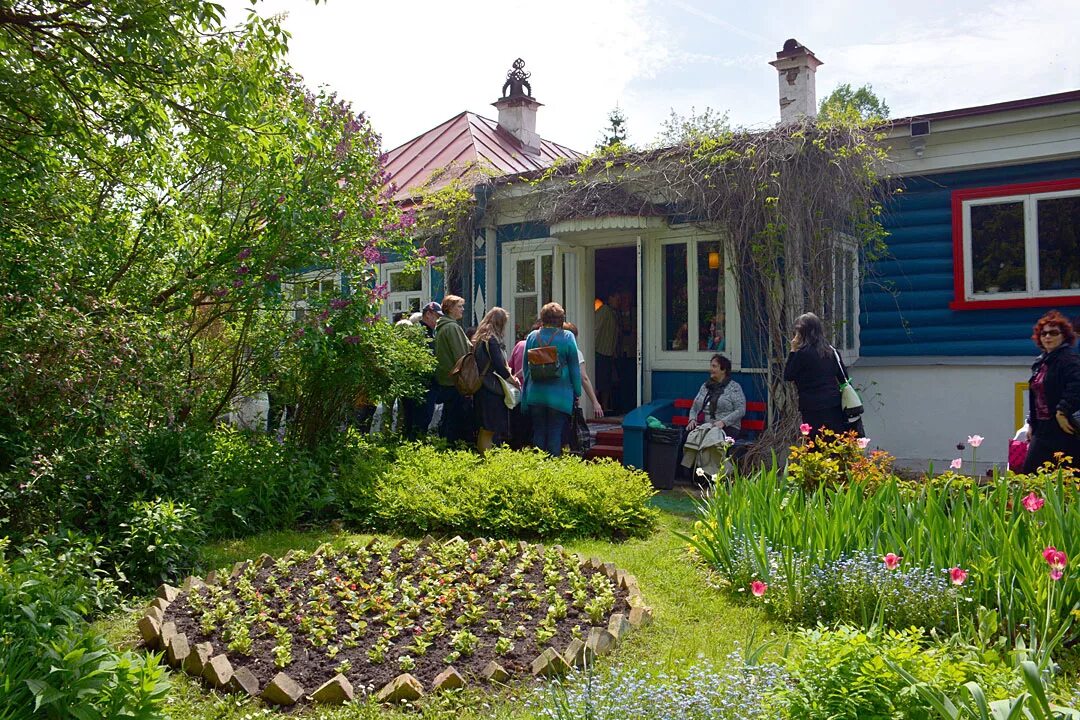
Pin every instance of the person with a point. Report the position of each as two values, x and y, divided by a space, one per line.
450 346
520 423
418 413
723 403
1053 394
720 398
606 327
817 373
492 415
586 384
549 401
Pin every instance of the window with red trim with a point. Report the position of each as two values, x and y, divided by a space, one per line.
1017 245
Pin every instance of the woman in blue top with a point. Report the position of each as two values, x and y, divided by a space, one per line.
550 400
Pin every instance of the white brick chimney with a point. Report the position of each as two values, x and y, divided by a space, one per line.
517 108
796 66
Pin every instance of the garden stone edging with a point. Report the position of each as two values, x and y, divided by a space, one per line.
176 621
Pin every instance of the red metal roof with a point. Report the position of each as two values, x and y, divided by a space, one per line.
457 144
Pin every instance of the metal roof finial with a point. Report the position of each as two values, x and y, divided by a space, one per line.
517 81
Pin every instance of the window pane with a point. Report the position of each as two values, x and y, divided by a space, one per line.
525 313
711 315
545 279
850 320
526 276
1059 243
675 329
405 281
997 248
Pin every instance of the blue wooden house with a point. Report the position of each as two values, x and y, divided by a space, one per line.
984 236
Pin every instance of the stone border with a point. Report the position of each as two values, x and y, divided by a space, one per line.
217 672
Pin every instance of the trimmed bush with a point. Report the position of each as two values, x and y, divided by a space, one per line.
511 493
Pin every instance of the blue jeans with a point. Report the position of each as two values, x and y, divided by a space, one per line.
548 429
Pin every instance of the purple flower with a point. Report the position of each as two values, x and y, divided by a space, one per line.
244 254
238 283
372 254
352 339
221 292
381 291
273 277
243 270
329 329
339 303
280 199
339 215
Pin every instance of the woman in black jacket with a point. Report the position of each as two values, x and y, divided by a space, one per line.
817 373
1053 394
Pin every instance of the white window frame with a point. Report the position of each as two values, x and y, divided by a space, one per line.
424 294
1031 247
661 358
300 306
848 253
536 250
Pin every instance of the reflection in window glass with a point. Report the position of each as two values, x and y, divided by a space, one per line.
711 315
1059 243
526 276
997 248
525 314
405 281
675 328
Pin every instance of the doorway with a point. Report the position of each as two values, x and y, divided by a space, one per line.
616 326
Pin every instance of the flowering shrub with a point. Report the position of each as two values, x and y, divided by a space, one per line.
742 692
836 459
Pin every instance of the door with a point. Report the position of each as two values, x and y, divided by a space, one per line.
535 274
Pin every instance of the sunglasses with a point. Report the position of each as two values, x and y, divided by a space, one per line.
1051 333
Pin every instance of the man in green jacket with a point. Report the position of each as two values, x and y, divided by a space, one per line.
450 345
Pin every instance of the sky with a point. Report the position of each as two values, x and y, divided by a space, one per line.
412 65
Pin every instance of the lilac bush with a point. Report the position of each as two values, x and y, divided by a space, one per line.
696 692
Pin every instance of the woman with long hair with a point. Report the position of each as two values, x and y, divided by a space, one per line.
817 371
492 415
1053 393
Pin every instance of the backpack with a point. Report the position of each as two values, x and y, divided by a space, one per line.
466 374
544 361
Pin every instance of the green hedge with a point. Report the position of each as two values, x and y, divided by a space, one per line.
510 493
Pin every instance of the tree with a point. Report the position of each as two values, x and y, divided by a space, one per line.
694 127
614 135
162 179
861 104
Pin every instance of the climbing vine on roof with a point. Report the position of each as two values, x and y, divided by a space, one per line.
789 205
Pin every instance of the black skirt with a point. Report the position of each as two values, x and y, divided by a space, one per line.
491 411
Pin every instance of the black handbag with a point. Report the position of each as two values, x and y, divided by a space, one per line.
580 439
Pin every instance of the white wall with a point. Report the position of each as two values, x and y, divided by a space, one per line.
920 413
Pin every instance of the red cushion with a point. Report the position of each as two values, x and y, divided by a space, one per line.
684 404
680 420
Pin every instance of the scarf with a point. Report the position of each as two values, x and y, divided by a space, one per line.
713 391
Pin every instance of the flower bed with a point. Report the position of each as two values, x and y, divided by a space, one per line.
393 620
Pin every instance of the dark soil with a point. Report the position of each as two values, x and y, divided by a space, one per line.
312 666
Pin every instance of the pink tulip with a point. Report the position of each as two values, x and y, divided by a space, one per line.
1056 559
862 443
955 464
805 428
1032 502
758 588
892 561
958 576
1055 575
975 440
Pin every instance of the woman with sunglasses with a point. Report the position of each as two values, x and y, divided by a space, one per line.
1053 394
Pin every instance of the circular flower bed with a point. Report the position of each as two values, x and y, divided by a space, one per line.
394 620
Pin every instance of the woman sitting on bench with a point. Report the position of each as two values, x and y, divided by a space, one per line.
724 404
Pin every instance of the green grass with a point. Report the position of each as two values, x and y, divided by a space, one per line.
692 620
